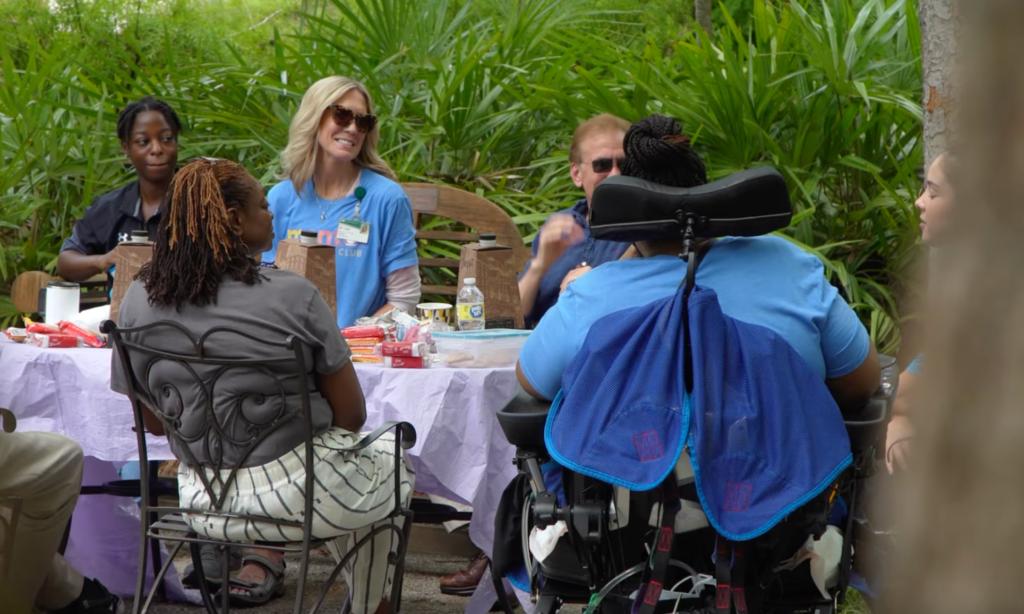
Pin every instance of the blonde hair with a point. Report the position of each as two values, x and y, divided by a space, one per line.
298 160
605 122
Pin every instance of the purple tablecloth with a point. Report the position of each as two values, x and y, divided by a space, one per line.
460 452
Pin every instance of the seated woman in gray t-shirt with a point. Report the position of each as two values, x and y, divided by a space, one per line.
203 275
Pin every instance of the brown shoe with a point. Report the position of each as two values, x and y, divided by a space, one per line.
465 581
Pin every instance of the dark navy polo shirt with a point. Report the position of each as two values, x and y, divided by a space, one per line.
110 218
592 251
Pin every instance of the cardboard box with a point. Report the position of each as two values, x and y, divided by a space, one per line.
129 258
314 262
496 275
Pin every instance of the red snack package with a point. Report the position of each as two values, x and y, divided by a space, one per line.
43 329
58 340
403 348
403 362
364 342
363 332
89 338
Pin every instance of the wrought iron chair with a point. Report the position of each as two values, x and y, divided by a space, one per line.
8 524
281 359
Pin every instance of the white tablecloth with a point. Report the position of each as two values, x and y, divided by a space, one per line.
461 452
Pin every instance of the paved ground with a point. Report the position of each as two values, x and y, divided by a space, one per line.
420 594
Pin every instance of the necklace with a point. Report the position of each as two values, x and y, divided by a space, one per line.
319 200
323 213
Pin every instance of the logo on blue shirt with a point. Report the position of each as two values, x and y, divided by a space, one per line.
346 249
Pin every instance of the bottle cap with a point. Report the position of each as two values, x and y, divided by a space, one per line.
470 281
488 237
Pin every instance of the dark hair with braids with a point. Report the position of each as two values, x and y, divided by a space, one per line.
195 246
657 150
126 120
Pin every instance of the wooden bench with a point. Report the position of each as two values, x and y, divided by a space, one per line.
450 217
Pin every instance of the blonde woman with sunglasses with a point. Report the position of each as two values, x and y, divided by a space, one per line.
339 186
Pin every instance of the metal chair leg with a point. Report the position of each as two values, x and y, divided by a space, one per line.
140 581
225 590
154 543
300 590
204 586
403 549
345 561
159 579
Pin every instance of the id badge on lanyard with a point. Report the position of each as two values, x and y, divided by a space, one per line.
354 229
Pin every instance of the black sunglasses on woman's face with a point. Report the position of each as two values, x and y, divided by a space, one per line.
343 116
604 165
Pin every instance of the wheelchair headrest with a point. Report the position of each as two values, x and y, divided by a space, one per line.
746 204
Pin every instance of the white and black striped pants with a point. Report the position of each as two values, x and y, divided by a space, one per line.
353 494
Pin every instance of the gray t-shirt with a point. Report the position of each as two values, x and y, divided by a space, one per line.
283 304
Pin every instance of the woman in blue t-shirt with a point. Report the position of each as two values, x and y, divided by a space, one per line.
761 280
339 186
935 201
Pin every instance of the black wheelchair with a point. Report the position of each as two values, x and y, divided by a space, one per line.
600 560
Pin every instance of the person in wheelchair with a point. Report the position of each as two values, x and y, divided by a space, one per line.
768 290
203 275
764 280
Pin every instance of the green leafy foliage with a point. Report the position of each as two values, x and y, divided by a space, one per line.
485 94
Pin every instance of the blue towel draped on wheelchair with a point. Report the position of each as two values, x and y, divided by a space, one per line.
692 488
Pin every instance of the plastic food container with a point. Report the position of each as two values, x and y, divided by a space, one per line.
492 348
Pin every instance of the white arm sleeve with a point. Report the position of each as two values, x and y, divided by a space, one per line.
403 289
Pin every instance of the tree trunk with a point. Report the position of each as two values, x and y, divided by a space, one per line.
938 48
702 12
963 503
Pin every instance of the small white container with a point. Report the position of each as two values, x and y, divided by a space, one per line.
494 348
441 312
62 301
308 237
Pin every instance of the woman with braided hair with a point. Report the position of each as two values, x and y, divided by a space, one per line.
203 275
761 280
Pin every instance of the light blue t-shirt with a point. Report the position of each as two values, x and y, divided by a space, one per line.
362 268
762 280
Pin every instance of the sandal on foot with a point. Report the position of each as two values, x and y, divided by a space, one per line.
260 593
211 556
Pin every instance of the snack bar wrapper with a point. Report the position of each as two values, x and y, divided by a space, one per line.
39 327
17 335
367 359
365 347
403 362
58 340
369 331
90 338
403 348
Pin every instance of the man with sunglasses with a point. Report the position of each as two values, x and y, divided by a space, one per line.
563 249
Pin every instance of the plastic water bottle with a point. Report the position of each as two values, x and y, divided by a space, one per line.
470 306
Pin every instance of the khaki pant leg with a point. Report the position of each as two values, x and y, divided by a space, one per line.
45 470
